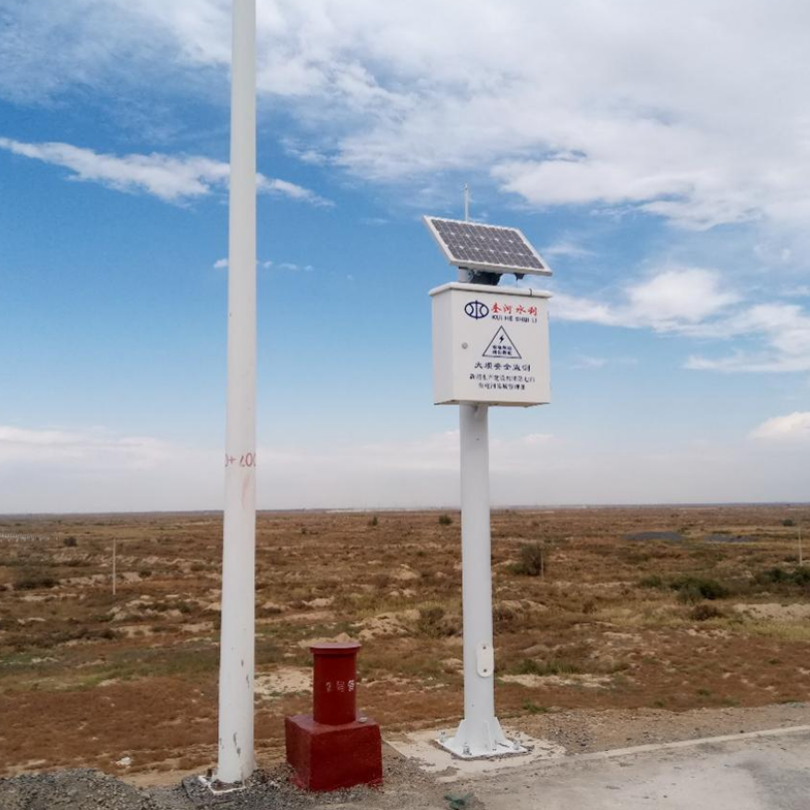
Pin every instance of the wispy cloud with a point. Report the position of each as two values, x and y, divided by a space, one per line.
266 264
784 329
695 303
438 452
291 190
45 469
93 449
169 178
588 362
605 114
566 248
671 299
794 427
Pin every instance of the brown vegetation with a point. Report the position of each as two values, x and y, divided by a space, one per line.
586 617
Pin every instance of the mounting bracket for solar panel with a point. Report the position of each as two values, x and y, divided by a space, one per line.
482 276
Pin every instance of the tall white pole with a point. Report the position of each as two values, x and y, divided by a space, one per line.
475 734
236 669
479 733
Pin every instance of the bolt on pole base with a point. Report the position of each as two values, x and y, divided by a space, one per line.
482 739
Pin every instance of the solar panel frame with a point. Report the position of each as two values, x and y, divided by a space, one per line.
475 251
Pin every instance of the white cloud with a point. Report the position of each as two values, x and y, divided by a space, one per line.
783 328
435 453
169 178
794 427
222 264
45 470
671 299
800 291
291 190
533 439
589 363
657 107
693 302
94 449
688 294
585 310
566 248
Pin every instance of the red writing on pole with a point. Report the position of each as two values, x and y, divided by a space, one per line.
245 460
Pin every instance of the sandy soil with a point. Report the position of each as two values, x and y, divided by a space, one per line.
617 635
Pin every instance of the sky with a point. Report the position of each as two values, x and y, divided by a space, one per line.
657 154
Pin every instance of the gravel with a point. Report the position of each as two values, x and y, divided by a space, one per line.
72 790
266 790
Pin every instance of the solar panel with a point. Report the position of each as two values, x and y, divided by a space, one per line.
486 247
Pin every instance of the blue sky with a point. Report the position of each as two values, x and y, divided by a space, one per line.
661 170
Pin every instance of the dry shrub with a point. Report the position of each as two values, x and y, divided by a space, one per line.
381 581
776 578
652 581
503 618
31 580
553 666
434 623
703 612
531 560
693 589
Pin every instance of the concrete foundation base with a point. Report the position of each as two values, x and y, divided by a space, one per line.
331 757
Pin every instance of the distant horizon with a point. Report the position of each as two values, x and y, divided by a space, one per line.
360 510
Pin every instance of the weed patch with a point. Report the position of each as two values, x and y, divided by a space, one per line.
554 666
703 612
30 581
434 623
533 708
693 589
531 560
799 577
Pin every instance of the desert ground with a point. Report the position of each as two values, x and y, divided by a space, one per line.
611 625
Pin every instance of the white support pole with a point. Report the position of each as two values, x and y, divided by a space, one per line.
479 733
114 566
236 759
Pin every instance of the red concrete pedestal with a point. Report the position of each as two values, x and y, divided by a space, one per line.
331 757
333 749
